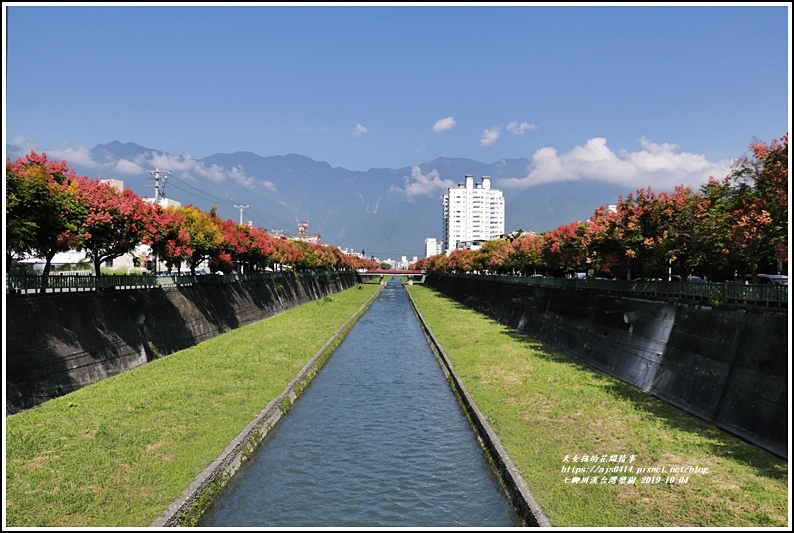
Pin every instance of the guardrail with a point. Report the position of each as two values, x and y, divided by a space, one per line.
715 294
33 284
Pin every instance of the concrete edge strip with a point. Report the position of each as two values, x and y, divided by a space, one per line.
238 451
516 486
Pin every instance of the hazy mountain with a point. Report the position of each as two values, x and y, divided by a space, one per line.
550 205
351 209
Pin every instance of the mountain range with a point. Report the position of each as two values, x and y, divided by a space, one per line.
387 213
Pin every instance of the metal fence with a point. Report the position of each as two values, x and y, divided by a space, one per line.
33 284
715 294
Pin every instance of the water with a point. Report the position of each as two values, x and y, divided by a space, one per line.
376 440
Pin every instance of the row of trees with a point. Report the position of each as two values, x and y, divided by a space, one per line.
50 209
732 226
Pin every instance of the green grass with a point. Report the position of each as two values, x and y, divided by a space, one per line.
120 451
544 405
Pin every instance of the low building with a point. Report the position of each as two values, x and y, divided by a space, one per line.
433 247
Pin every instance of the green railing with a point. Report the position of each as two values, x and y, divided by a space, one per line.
715 294
33 284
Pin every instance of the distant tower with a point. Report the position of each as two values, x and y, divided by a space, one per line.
303 228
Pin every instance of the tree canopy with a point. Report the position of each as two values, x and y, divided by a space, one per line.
732 226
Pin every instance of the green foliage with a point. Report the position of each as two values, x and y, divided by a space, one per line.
192 517
43 215
717 298
284 406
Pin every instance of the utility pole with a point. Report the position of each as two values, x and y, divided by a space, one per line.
159 192
241 207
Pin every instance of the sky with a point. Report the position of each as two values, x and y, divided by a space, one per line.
674 90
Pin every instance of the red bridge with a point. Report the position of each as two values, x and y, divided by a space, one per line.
390 272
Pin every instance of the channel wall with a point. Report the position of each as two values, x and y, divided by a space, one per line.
57 343
522 499
728 366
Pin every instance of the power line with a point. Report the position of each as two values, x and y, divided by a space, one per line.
207 195
264 219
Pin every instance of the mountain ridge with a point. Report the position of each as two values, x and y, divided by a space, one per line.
386 212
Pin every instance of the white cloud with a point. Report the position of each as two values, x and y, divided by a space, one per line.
124 166
183 167
25 144
518 129
187 168
359 131
445 124
269 186
490 136
655 165
74 157
418 184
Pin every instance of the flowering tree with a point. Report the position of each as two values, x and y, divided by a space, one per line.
460 261
262 248
562 250
675 218
742 219
525 254
758 197
205 235
43 215
235 246
285 253
434 263
167 236
603 248
116 221
492 256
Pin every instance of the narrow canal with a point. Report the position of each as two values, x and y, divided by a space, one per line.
376 440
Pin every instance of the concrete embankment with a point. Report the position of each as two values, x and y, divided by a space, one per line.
518 492
727 366
187 509
58 343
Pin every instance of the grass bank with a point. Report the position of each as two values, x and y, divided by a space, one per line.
120 451
550 411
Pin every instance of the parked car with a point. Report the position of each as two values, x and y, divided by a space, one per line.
767 279
691 279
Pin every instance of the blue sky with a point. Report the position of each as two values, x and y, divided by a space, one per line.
619 91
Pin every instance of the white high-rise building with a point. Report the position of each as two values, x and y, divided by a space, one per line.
432 247
472 213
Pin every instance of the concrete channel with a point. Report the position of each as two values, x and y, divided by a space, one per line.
188 508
